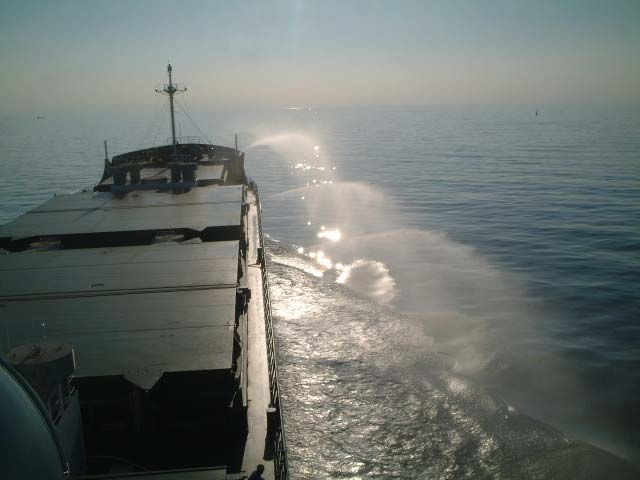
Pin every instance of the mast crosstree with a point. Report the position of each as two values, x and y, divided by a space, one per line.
171 89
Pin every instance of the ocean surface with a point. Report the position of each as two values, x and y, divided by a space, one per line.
456 289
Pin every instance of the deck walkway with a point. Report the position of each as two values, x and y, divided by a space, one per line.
258 393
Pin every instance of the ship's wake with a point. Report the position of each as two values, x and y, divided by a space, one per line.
397 343
356 237
369 393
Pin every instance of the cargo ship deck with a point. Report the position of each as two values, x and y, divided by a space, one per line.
155 280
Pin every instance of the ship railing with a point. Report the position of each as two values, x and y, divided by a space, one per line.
281 468
181 158
184 139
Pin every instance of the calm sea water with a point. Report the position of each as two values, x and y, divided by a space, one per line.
456 288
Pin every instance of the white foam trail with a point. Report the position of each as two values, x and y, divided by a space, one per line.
369 278
300 264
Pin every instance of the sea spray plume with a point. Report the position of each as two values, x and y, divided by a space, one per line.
353 192
456 295
415 271
449 288
475 312
285 141
295 147
355 208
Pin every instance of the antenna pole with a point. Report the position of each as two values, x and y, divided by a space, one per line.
106 155
171 89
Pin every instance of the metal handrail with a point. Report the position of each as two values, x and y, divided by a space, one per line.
181 158
185 139
281 467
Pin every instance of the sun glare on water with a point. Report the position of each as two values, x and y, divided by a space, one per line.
331 235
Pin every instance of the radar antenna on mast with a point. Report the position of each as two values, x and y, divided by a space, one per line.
171 89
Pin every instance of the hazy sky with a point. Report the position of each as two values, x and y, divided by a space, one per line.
321 53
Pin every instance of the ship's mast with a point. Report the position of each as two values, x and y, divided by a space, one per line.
171 89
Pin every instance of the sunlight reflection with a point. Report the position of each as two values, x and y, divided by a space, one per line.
325 262
344 274
332 235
